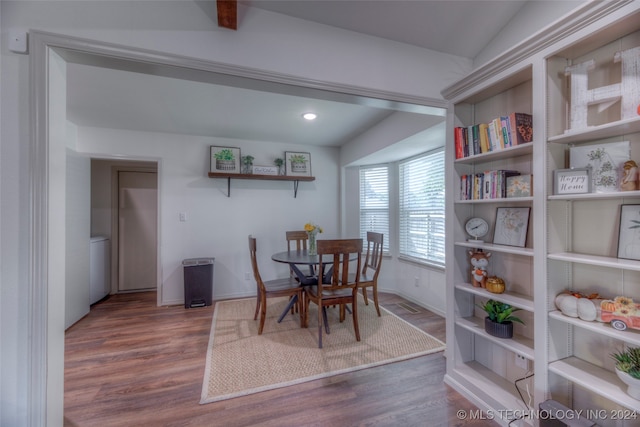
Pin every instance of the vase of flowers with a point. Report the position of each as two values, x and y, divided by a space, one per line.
312 230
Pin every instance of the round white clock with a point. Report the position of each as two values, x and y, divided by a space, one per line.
476 228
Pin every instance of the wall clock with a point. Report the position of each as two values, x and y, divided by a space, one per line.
476 228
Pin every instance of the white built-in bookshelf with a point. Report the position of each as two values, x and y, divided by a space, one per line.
572 239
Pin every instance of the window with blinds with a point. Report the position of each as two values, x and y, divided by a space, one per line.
421 209
374 202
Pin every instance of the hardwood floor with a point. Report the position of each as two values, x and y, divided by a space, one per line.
131 363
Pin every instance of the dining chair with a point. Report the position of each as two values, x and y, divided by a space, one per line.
287 287
339 287
300 238
371 267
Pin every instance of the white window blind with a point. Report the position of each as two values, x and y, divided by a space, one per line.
374 202
422 207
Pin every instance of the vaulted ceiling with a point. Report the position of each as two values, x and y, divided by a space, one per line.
105 97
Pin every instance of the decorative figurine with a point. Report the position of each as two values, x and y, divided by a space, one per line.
479 263
622 312
630 176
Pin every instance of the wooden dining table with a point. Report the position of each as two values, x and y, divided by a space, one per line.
296 258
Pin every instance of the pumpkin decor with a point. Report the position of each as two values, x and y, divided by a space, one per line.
495 285
576 304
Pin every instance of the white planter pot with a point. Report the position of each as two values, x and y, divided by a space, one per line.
633 384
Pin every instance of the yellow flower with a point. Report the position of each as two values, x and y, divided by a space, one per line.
624 301
312 228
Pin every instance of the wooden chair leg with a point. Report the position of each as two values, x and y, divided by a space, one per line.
306 310
300 307
255 316
320 325
364 295
354 309
325 319
263 315
375 300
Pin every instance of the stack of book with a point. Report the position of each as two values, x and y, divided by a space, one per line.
490 184
502 132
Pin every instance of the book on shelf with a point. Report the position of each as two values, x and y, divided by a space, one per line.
483 130
521 125
458 138
490 184
501 132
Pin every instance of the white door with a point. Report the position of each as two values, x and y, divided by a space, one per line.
137 230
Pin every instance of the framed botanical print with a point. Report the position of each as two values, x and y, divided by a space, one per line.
225 159
605 161
297 164
511 226
629 235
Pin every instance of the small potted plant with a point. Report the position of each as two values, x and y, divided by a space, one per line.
500 318
247 161
280 164
628 369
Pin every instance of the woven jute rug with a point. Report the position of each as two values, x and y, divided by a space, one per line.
241 362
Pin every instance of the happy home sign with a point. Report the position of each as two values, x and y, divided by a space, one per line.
627 91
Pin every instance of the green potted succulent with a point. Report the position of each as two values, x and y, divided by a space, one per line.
247 161
225 160
500 318
280 164
628 369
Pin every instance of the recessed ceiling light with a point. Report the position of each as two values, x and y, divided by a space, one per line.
309 116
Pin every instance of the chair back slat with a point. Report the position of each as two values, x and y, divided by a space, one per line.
300 238
373 258
344 252
254 262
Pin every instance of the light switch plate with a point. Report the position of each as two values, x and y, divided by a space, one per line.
18 41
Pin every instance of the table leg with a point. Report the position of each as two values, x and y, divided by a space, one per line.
292 301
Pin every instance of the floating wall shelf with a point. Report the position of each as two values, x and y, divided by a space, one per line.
229 176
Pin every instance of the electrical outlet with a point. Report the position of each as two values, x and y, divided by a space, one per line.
247 275
416 282
522 362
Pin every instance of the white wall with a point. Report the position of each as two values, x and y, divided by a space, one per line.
78 178
217 226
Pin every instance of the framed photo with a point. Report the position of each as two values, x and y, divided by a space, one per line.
629 235
225 159
572 181
297 164
511 226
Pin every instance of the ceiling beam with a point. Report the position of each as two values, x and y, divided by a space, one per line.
228 14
